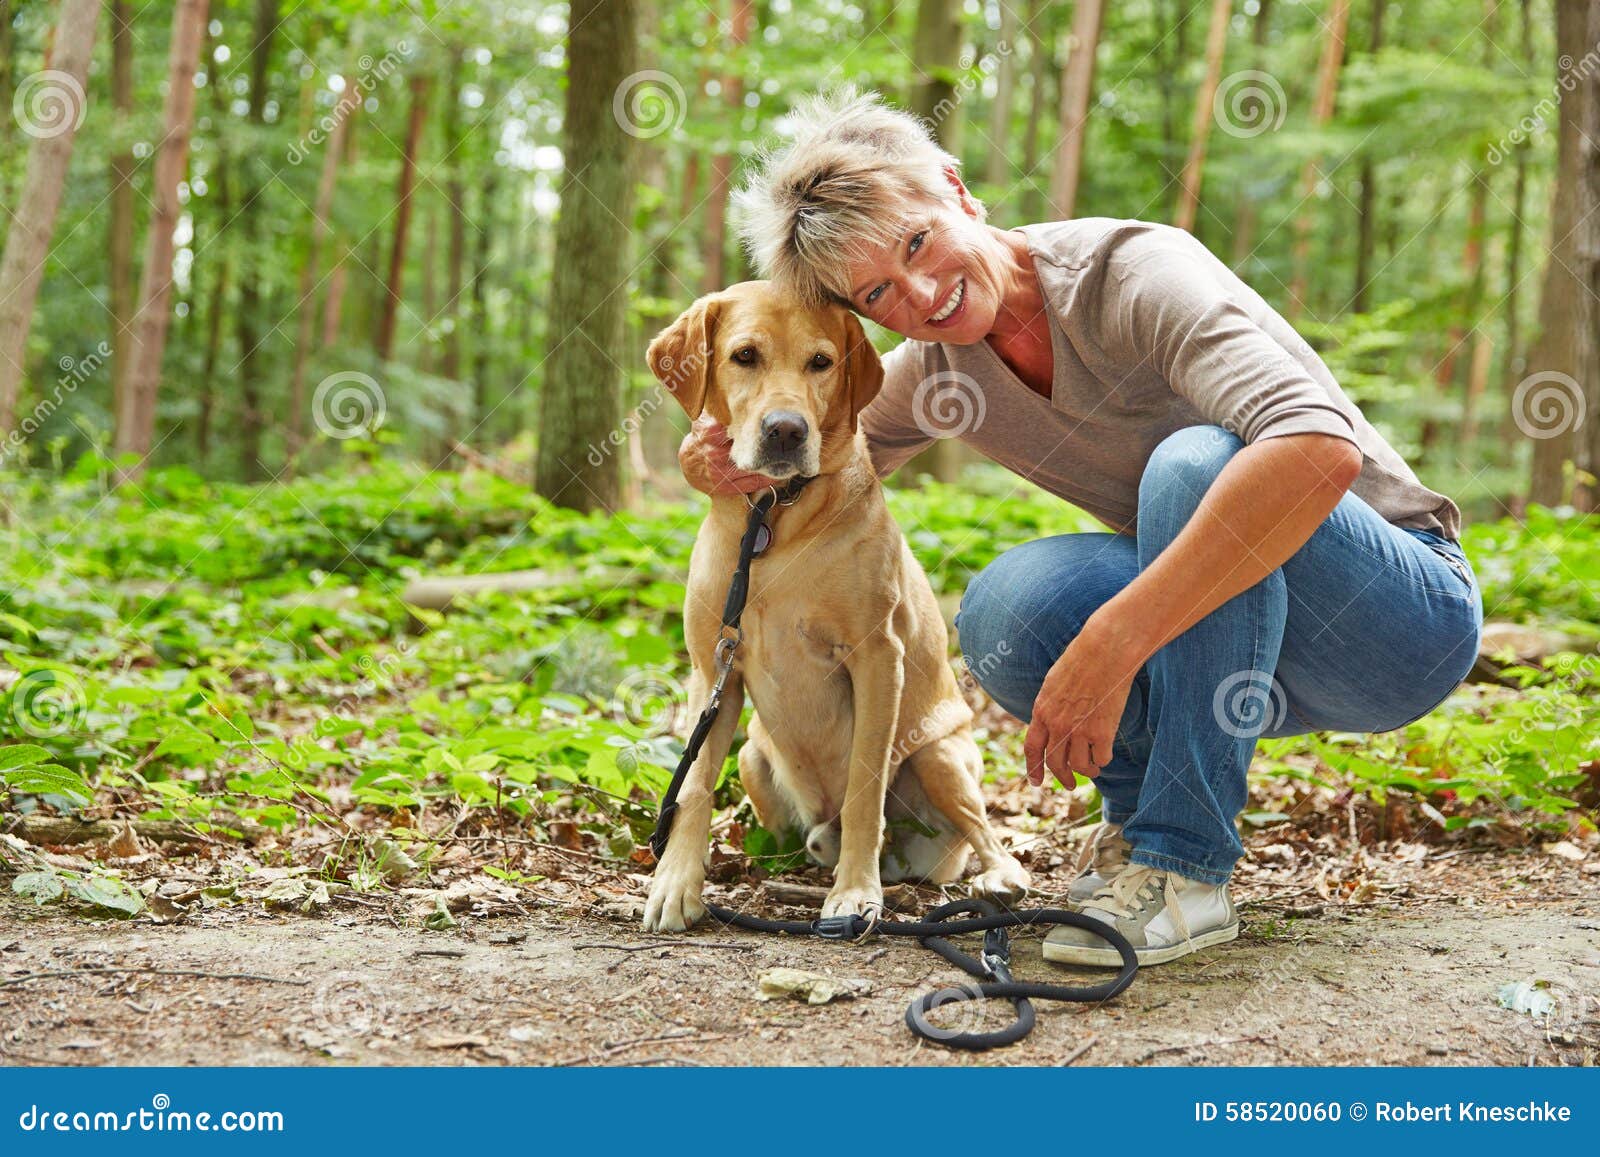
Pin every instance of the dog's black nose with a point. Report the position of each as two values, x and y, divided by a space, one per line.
784 430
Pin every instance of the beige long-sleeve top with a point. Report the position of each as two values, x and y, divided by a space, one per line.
1150 334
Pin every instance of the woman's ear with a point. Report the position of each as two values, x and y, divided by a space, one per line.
680 356
863 371
963 197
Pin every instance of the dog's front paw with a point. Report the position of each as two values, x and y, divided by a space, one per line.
1005 881
674 902
854 900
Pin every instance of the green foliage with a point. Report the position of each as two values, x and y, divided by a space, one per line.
277 683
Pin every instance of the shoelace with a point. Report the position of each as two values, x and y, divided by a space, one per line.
1106 854
1132 889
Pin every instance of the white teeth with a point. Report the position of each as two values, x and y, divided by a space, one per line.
952 303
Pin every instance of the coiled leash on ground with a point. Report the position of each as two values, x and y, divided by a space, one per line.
992 967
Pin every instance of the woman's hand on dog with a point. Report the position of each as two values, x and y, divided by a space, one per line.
707 463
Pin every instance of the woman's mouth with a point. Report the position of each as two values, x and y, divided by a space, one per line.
952 307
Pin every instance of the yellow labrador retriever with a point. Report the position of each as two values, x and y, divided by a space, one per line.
845 656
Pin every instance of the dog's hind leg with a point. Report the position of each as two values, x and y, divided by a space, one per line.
949 771
774 810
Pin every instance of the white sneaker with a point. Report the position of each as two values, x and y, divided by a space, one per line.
1163 915
1104 857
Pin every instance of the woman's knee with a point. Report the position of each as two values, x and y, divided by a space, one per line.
1181 469
1019 613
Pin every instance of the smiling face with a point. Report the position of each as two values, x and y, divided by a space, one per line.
786 381
938 280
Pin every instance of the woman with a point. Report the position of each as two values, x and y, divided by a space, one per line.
1272 566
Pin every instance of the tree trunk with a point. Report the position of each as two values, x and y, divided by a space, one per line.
936 52
222 262
456 194
1039 94
1366 209
1321 114
935 55
1216 47
338 277
136 420
402 219
253 417
999 174
716 219
306 305
1586 245
482 338
50 115
120 238
1515 364
1546 404
1077 87
1244 219
581 402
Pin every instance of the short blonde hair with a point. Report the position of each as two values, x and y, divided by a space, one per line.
817 202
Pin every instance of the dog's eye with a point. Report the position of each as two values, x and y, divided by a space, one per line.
744 355
821 362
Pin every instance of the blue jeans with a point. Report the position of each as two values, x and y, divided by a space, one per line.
1366 628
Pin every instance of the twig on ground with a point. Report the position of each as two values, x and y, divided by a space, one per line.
1080 1050
154 972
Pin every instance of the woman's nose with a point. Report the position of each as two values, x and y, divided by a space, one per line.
921 292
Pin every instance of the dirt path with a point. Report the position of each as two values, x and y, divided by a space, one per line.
1412 982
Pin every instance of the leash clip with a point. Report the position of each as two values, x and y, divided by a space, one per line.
996 951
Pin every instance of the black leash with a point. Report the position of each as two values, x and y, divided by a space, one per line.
992 967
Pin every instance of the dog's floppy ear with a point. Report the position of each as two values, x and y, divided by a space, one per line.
863 372
680 356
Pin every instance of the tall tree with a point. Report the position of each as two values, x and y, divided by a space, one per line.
999 142
136 417
580 404
1513 366
1216 47
1244 217
52 120
716 216
253 417
321 214
1544 407
1077 87
339 274
390 314
456 193
1321 114
935 54
1586 363
1367 198
1040 92
120 237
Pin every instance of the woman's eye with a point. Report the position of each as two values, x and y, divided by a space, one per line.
917 239
872 298
745 356
821 362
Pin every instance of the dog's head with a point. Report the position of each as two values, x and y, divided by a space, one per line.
787 381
